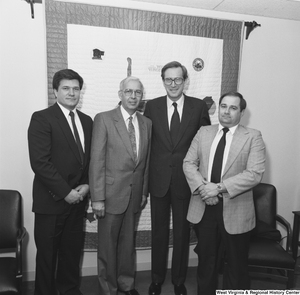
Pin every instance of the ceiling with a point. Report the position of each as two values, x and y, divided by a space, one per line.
283 9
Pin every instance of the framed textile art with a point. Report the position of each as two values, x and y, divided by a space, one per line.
106 44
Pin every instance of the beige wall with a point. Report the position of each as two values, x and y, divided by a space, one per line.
269 80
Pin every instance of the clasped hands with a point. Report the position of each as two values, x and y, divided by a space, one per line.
77 194
208 192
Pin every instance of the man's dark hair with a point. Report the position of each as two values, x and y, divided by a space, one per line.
174 64
243 103
67 74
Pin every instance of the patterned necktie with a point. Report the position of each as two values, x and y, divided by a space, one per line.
79 145
175 124
132 138
218 159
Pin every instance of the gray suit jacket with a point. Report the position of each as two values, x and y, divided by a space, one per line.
114 176
243 170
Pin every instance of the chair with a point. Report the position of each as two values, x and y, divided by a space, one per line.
12 233
265 251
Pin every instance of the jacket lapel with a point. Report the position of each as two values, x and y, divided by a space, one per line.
87 142
208 138
162 113
123 132
187 114
239 139
143 136
65 127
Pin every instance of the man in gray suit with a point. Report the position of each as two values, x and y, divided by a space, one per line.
119 186
222 205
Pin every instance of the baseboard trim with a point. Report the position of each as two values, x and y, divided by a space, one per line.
92 271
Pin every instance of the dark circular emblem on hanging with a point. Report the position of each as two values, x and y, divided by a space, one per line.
198 64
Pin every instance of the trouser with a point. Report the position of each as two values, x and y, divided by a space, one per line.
160 227
211 234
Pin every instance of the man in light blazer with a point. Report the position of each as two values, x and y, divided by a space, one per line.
167 184
224 210
60 186
119 186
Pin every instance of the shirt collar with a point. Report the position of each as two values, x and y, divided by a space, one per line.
65 111
126 115
179 102
231 129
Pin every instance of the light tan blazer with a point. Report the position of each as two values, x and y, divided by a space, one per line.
114 176
243 170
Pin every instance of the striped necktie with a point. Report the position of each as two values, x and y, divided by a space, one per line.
79 145
131 132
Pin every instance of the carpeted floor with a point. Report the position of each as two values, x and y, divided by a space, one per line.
89 285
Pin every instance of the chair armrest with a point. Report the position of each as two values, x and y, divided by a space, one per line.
21 235
288 229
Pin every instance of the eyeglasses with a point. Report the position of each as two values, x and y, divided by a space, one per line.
128 93
177 81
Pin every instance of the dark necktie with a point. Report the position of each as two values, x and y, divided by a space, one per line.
77 137
131 132
175 124
218 159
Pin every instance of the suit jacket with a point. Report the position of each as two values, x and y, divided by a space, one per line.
55 158
114 176
243 170
166 160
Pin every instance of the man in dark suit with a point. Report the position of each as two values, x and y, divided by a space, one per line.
174 126
119 186
59 150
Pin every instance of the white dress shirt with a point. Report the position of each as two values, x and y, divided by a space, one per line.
170 108
229 136
66 112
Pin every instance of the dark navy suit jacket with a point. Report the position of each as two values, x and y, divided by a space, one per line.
165 160
55 158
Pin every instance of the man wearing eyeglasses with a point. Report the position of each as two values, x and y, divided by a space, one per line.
119 186
176 119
